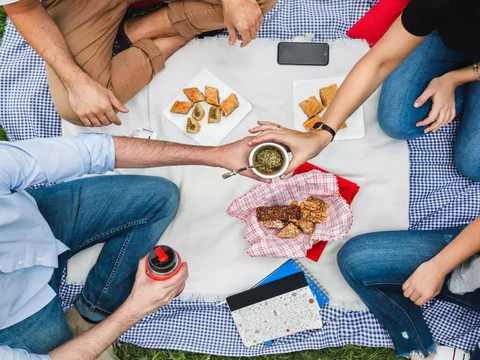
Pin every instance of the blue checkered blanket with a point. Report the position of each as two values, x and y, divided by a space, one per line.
439 198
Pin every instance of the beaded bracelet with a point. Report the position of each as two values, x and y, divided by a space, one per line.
475 68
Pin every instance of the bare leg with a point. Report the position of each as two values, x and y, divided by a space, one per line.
151 26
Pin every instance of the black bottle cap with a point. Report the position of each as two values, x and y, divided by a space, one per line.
162 259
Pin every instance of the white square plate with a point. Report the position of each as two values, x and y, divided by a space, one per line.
302 90
210 134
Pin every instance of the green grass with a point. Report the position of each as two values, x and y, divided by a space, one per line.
349 352
131 352
3 136
2 23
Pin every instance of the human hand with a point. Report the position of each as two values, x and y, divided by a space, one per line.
304 146
94 104
149 295
425 283
244 16
235 156
442 92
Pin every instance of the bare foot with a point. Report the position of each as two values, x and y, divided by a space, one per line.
169 45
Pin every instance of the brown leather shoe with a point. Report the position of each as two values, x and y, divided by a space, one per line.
79 326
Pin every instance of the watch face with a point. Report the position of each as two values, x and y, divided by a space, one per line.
317 125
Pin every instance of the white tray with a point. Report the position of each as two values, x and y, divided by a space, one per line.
210 134
302 90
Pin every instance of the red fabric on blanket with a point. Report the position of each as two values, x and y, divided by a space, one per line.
377 20
348 190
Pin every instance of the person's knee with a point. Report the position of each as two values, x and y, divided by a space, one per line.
396 115
172 196
161 196
395 124
352 259
467 161
144 197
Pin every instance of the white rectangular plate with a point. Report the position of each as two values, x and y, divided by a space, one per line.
210 134
302 90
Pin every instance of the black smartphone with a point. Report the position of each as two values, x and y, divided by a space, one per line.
299 53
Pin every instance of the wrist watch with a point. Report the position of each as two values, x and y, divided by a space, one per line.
319 126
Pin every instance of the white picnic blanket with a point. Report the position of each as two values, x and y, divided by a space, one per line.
210 240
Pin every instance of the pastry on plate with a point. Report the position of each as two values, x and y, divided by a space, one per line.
311 106
308 124
181 107
289 232
327 94
212 95
229 104
214 115
344 126
193 126
284 213
194 94
198 113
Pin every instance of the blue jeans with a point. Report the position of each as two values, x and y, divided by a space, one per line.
397 116
128 214
376 265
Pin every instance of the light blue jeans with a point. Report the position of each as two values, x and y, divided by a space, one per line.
128 214
376 265
397 116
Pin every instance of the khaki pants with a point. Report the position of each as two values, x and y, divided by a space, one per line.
90 28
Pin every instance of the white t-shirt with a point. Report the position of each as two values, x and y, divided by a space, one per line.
6 2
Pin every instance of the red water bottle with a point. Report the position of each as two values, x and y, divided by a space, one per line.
163 263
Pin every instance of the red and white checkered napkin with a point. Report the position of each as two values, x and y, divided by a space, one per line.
264 242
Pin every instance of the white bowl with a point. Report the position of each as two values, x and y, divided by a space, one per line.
283 151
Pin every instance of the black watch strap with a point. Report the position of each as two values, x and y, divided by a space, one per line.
319 126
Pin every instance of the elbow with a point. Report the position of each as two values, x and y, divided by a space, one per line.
386 67
382 62
20 8
373 65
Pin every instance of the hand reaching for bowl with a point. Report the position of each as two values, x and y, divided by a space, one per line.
304 146
235 156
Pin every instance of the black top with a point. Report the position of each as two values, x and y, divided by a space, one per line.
457 22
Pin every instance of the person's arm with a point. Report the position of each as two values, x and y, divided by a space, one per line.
94 104
361 82
147 296
142 153
370 72
427 281
139 153
44 161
